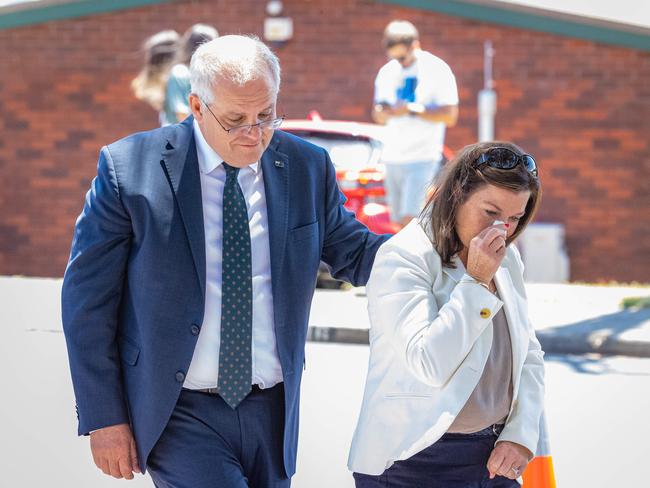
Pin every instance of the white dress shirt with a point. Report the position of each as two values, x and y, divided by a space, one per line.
204 369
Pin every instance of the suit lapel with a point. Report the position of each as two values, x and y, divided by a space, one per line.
513 316
456 273
275 170
180 162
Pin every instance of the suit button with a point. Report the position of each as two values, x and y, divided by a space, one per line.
195 329
180 376
485 313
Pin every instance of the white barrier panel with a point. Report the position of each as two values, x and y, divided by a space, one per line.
543 251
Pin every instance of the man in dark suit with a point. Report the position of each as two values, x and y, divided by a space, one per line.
187 295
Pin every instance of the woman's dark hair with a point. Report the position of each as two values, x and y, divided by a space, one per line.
458 180
192 39
159 51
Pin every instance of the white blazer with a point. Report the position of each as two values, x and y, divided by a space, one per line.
430 338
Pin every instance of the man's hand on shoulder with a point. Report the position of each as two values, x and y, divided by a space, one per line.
114 451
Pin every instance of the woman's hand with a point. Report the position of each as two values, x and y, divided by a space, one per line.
486 251
508 459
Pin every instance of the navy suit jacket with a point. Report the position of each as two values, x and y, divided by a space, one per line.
133 292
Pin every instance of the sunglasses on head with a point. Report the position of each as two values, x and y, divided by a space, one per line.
504 158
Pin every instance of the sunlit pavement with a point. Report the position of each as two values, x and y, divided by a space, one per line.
597 408
569 319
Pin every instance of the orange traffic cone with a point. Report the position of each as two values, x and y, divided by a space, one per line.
539 472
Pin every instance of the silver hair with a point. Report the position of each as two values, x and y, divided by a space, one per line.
239 59
400 32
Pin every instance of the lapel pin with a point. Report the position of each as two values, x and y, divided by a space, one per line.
279 164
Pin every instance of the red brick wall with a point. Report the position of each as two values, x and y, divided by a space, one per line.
581 108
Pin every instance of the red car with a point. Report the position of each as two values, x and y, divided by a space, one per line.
355 149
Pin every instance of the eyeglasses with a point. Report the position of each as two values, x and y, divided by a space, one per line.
504 158
246 129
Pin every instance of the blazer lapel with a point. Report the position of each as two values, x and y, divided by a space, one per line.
181 164
456 273
513 315
275 170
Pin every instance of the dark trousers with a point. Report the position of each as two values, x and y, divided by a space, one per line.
208 444
454 461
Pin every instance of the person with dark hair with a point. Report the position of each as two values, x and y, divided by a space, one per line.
177 104
150 84
417 99
455 385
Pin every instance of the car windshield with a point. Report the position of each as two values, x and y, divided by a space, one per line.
347 152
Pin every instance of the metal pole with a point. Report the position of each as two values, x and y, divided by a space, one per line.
487 97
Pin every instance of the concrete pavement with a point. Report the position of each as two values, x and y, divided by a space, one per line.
39 426
568 319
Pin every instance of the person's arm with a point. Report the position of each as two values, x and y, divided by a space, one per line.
349 248
385 104
447 114
381 112
522 427
91 294
178 92
433 338
517 442
439 102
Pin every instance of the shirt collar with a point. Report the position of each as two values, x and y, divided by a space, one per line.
208 158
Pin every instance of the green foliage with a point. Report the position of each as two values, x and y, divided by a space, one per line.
636 302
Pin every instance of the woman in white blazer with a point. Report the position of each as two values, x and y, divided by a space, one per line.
455 383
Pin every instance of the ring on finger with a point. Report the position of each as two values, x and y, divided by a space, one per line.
516 470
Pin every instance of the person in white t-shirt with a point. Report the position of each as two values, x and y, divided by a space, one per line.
416 98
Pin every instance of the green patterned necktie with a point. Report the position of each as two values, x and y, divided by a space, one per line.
235 368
